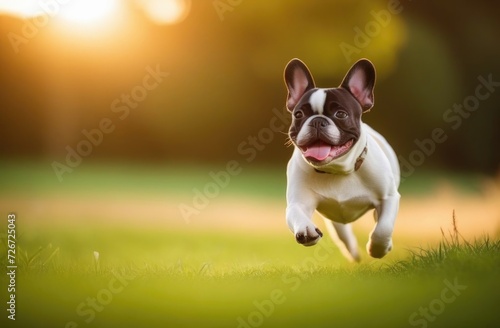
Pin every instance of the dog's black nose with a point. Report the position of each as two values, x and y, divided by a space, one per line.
319 122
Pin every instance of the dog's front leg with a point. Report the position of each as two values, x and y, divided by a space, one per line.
298 218
380 242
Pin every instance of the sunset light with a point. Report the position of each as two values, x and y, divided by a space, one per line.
91 12
88 11
21 8
166 11
75 11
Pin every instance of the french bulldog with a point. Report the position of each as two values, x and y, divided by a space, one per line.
340 166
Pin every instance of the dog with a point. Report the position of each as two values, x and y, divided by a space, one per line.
340 166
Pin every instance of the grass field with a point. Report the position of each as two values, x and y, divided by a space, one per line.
108 248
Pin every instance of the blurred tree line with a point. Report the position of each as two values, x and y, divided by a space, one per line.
224 67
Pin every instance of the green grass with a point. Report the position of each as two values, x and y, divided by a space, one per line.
210 279
471 259
154 276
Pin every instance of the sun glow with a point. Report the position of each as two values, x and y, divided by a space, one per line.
166 11
92 12
72 11
88 11
21 8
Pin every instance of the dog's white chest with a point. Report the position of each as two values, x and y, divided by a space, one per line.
344 200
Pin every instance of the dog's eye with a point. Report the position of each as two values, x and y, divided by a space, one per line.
340 114
298 114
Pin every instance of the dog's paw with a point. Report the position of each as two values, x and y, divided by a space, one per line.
378 249
308 236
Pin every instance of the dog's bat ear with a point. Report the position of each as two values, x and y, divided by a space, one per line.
298 80
360 81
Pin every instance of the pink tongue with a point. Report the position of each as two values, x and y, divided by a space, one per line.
319 151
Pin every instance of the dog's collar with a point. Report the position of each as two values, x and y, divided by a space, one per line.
357 164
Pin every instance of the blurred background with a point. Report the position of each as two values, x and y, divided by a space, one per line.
193 85
225 64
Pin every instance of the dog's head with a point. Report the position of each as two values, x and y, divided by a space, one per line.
326 123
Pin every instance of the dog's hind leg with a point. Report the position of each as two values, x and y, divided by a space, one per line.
345 239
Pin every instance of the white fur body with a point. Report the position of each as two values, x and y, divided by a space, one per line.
343 196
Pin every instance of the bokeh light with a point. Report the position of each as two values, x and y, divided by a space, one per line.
165 12
88 11
22 8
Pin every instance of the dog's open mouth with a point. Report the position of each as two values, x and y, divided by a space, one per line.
319 150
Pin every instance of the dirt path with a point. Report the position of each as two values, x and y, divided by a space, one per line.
420 218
